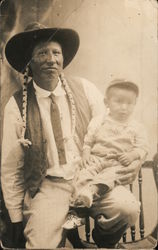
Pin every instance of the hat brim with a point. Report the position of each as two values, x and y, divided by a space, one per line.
124 84
19 48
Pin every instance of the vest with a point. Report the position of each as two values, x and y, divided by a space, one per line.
35 157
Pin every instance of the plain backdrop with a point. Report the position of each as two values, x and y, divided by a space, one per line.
118 39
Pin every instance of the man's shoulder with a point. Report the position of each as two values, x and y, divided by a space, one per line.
11 106
98 119
79 80
14 102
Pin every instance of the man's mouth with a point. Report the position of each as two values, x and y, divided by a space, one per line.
50 68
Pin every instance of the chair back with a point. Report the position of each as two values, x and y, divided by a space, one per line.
141 215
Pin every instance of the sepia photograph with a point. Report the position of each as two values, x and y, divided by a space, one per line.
78 124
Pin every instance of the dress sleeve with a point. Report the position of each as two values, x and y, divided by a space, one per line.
12 161
141 144
93 126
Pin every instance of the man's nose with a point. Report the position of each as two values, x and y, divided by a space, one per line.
51 57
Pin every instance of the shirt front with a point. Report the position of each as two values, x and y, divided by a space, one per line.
72 154
12 178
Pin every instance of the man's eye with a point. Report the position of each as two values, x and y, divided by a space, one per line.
42 53
56 52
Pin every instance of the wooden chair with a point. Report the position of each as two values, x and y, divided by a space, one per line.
150 241
73 235
124 243
141 215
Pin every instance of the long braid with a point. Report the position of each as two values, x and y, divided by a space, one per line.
24 102
22 140
73 108
26 142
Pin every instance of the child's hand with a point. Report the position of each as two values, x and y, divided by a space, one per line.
125 158
113 156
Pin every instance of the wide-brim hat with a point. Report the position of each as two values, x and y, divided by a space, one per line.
19 48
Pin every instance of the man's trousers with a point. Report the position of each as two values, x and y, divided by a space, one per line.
45 214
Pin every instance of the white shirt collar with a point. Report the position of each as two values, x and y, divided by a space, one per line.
58 91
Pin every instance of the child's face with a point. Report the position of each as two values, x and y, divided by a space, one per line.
121 103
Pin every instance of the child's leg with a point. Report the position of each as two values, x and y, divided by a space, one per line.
106 179
84 197
86 188
83 193
90 192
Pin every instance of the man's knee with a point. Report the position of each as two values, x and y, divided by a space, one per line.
129 211
125 203
118 208
108 231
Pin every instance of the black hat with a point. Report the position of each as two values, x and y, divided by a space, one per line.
19 48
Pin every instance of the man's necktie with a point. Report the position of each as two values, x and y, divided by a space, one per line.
57 130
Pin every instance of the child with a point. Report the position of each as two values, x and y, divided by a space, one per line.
113 141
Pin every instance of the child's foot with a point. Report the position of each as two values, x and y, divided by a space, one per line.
83 201
73 221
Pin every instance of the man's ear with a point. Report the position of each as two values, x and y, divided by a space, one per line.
30 70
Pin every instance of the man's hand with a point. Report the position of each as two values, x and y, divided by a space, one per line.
127 158
18 237
127 174
15 238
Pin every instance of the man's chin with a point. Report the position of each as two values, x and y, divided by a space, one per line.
49 73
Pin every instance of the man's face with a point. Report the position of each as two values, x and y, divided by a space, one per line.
47 61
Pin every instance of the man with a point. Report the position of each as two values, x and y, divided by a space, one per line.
44 128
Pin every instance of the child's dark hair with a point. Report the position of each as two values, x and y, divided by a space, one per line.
123 84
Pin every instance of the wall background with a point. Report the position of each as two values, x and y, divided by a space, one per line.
118 39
